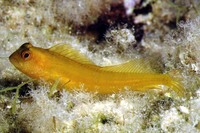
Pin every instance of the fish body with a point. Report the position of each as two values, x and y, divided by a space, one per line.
72 69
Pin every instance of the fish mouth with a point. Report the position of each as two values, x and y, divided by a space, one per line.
13 59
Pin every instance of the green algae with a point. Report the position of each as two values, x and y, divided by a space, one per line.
17 88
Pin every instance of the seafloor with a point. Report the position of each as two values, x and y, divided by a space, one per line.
108 32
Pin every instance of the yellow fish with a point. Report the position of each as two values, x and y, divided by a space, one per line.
72 69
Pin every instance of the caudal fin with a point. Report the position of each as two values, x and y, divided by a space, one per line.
178 88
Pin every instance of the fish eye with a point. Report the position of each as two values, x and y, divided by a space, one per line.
26 55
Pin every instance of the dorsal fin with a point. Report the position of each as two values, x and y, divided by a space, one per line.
69 52
133 66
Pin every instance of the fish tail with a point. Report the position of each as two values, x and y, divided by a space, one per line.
177 87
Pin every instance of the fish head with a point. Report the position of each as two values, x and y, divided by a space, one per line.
28 59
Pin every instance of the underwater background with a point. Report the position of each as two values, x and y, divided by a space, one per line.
109 32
